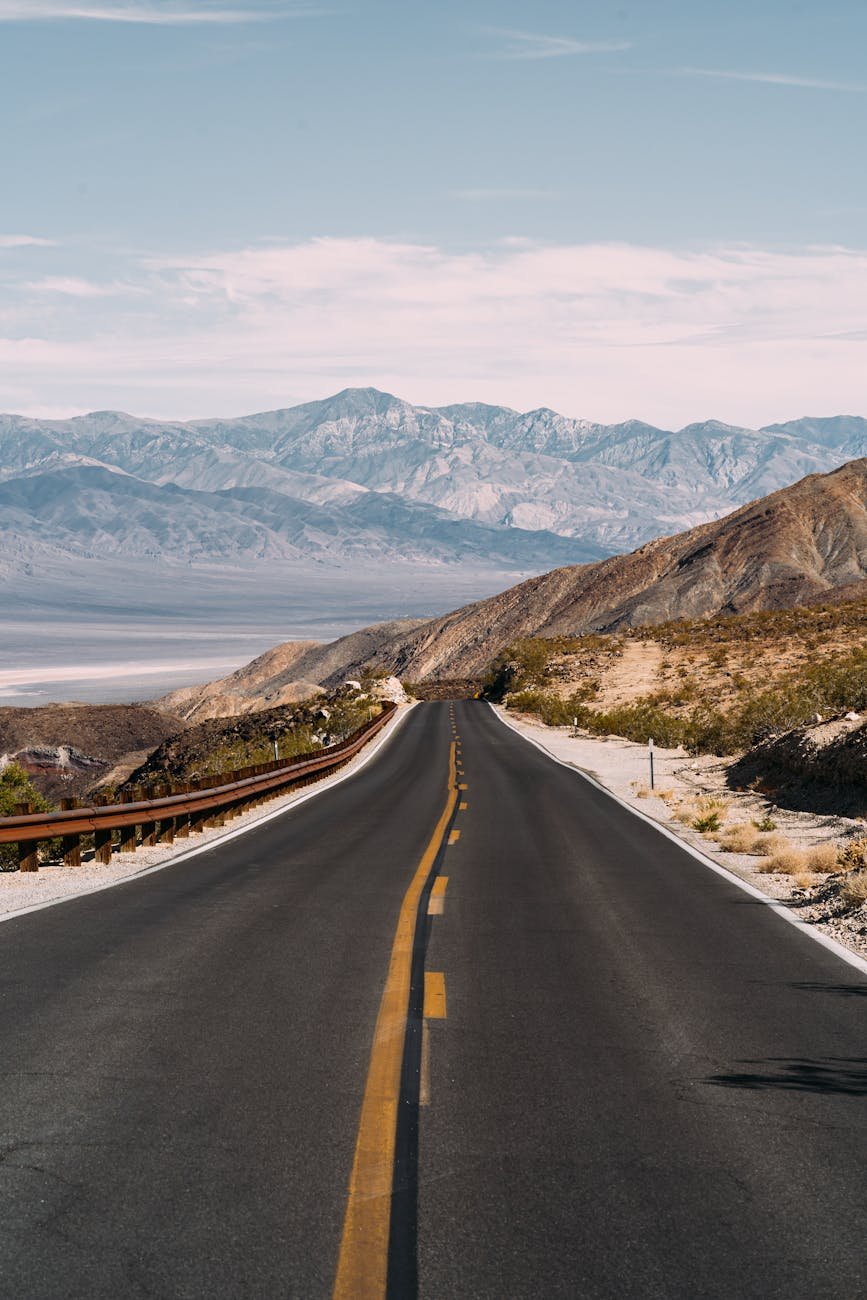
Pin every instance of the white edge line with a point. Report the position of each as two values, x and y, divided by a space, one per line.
844 953
328 783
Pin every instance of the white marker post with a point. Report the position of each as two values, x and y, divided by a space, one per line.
276 752
650 756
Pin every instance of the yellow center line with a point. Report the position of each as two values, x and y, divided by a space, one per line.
436 905
362 1266
434 995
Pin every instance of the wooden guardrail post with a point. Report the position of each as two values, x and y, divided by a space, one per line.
166 828
198 820
70 845
127 843
28 850
101 836
148 829
182 821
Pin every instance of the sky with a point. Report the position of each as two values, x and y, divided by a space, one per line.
652 209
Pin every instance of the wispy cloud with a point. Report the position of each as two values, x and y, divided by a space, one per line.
24 241
535 45
774 79
71 286
603 330
494 194
153 14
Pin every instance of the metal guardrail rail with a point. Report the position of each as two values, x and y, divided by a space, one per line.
186 808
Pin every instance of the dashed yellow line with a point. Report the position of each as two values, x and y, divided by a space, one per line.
454 836
434 995
462 807
436 904
362 1266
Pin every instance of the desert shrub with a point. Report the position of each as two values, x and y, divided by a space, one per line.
822 858
640 721
767 845
739 838
707 822
765 824
16 787
787 862
853 856
853 891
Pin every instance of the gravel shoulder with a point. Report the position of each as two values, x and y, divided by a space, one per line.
54 883
622 766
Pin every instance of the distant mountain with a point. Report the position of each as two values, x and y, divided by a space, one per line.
364 475
88 510
796 546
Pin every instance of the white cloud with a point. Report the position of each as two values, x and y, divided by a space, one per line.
164 15
24 241
607 331
774 79
535 45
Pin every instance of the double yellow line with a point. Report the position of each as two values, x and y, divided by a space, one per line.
362 1267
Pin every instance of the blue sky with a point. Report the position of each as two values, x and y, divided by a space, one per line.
652 209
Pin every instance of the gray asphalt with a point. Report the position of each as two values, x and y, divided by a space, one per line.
647 1083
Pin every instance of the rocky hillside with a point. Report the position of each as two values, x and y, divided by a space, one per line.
797 545
819 767
69 748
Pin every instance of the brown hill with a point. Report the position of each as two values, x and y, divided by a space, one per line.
284 675
798 545
786 549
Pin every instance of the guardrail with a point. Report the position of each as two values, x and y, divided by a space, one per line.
175 813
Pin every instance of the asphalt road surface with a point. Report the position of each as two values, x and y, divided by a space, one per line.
618 1075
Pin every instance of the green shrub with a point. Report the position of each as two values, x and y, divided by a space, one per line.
16 787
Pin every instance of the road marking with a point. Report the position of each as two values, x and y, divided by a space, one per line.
463 787
424 1070
454 836
845 954
362 1266
436 905
434 995
462 807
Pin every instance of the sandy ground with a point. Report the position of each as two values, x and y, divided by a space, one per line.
21 891
622 766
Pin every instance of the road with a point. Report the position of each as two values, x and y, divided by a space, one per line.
631 1080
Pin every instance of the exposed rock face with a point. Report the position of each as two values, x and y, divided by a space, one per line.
58 771
67 748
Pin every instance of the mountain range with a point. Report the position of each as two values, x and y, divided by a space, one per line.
363 477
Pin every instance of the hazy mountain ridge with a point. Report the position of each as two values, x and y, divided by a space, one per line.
364 475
